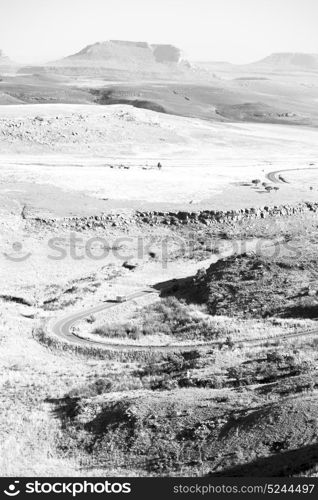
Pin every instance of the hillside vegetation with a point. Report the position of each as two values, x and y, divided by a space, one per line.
252 286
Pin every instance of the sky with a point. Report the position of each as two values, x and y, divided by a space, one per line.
237 31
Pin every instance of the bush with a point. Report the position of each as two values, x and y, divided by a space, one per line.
98 387
125 330
168 317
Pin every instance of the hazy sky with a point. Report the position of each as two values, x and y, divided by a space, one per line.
234 30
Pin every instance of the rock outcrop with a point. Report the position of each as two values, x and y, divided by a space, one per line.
5 60
166 53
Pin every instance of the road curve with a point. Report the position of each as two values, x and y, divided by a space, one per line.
277 178
63 329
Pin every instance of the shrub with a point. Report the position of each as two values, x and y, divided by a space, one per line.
168 317
98 387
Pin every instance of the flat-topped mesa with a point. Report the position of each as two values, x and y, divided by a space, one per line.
118 53
290 60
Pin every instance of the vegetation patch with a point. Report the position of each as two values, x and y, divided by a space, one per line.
169 317
249 285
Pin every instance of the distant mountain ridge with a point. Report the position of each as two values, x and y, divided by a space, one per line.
290 60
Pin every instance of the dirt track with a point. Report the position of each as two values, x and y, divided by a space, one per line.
63 329
277 178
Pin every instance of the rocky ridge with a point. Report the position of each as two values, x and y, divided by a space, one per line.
177 218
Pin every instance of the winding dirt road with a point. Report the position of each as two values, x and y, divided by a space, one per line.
63 329
277 178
